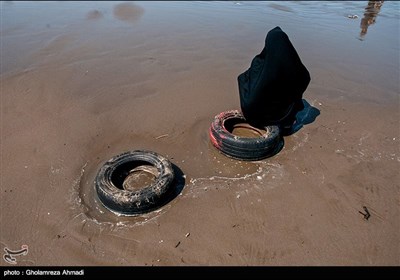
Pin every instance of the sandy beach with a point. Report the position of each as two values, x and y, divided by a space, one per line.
82 82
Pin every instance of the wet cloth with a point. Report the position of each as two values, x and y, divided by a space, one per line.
271 89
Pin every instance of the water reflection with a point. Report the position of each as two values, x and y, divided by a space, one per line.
371 12
128 12
94 14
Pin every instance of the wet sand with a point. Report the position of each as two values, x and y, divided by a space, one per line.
83 82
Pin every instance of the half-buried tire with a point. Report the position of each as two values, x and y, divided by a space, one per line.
256 145
113 182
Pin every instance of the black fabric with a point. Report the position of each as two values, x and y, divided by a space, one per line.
271 89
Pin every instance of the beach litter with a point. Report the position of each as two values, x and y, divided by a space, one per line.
352 16
366 214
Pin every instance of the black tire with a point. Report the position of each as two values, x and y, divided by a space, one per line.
111 176
243 148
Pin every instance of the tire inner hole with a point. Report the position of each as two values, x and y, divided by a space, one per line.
140 177
134 174
240 128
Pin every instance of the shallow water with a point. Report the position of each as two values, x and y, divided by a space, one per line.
84 81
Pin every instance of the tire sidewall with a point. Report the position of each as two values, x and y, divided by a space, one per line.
125 202
243 148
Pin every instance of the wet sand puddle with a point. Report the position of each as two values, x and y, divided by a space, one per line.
203 167
243 184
